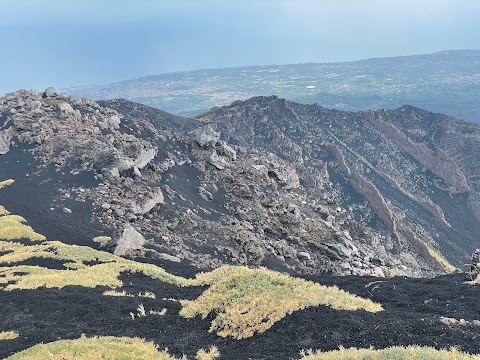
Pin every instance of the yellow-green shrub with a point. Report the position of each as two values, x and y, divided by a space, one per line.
8 335
252 300
97 348
393 353
6 183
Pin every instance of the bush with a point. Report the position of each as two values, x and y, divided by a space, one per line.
247 301
393 353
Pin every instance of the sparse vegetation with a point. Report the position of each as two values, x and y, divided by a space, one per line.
105 273
6 183
441 260
12 227
247 301
3 211
410 353
122 293
104 348
210 354
8 335
147 294
102 240
160 313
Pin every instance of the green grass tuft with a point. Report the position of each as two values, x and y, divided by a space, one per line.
393 353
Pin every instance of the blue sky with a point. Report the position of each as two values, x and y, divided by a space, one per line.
72 43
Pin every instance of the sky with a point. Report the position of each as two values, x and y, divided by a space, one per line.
66 43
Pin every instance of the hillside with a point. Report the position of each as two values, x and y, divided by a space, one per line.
109 212
445 82
51 291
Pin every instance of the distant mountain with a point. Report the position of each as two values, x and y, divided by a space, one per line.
446 82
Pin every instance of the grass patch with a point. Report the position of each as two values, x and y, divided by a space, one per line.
102 240
116 293
210 354
79 274
393 353
96 348
12 227
6 183
8 335
247 301
441 260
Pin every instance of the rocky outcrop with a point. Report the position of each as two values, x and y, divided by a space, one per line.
206 137
300 190
5 139
130 243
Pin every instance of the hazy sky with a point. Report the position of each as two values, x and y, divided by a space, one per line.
69 43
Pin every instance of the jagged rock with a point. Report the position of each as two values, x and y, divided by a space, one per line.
206 136
287 177
145 157
111 163
303 255
168 257
50 92
130 243
114 122
337 250
223 149
66 110
156 198
217 161
5 138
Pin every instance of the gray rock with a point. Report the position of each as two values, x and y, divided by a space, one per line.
145 157
206 136
164 256
50 92
337 251
130 243
286 177
217 161
114 122
156 199
303 255
5 138
223 149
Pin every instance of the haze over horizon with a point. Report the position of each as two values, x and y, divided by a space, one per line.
67 43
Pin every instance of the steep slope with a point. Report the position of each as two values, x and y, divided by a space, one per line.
410 173
446 82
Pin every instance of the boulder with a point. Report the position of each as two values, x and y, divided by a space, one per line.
144 157
5 138
50 92
223 149
206 136
303 255
112 164
168 257
286 177
114 122
155 199
130 243
217 161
